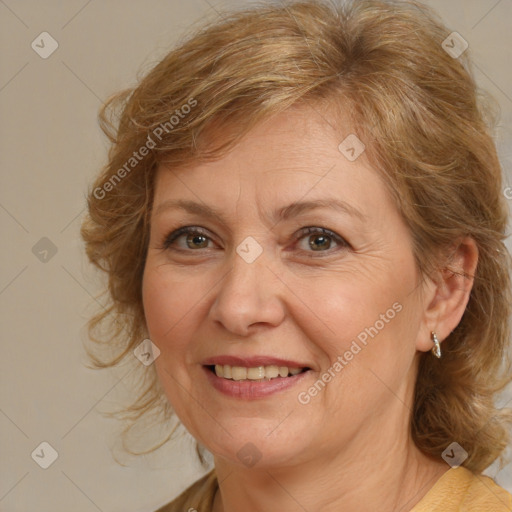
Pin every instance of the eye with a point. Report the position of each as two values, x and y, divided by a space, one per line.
196 238
320 239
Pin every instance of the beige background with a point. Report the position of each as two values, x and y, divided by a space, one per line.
50 148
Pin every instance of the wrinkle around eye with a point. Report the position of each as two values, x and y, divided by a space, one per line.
338 244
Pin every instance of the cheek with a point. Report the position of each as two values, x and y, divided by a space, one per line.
168 305
158 302
168 308
367 329
348 308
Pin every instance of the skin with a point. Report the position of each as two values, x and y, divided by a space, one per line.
349 448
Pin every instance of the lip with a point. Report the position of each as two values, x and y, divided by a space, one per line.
253 361
252 390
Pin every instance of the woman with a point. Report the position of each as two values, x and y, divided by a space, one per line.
302 211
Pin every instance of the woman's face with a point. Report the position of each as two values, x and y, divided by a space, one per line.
267 285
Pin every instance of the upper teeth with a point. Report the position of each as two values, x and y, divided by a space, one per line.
258 373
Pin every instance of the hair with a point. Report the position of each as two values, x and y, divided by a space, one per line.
426 126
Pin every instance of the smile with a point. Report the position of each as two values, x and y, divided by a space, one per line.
257 373
254 382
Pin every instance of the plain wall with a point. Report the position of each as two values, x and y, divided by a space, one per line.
50 149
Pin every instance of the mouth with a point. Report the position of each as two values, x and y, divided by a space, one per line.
253 378
254 373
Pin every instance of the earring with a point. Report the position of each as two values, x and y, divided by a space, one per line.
436 349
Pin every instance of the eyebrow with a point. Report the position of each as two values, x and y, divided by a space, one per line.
284 213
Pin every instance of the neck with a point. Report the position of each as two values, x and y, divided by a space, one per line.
386 475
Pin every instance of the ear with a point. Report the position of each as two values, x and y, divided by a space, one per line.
446 296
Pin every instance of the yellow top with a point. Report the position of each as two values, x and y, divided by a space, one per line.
458 490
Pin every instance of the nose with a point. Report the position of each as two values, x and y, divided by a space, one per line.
249 297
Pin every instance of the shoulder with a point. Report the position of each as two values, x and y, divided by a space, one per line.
196 498
485 494
460 490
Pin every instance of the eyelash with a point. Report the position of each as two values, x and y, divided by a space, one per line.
172 237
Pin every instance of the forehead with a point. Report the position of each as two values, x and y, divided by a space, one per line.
292 156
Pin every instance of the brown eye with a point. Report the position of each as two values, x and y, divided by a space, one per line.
200 240
320 239
319 242
195 238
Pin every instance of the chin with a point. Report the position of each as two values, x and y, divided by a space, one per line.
257 444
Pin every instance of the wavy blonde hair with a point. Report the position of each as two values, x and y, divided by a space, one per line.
421 117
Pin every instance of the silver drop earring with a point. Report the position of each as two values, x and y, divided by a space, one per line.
436 349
